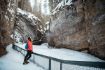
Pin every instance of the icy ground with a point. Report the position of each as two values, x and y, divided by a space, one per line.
64 54
13 61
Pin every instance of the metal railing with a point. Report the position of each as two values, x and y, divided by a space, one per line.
78 65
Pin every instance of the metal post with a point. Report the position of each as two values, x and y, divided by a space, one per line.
60 65
49 64
50 24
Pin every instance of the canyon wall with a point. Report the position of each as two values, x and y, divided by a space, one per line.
79 26
7 19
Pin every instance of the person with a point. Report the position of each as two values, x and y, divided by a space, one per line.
29 51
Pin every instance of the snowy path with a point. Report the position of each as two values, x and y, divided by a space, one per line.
13 61
64 54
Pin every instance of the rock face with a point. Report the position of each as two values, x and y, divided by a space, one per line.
27 25
7 14
79 26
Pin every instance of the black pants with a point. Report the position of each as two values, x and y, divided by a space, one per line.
28 55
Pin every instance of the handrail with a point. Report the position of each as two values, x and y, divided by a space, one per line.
80 63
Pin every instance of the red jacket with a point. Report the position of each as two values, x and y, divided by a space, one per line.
29 46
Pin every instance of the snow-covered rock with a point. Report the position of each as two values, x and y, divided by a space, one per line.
27 24
29 16
60 6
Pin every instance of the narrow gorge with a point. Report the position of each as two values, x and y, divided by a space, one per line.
73 24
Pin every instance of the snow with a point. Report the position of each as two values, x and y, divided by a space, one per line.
64 54
17 36
11 10
47 25
13 61
60 5
69 2
29 15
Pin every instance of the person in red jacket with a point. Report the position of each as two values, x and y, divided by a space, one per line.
29 51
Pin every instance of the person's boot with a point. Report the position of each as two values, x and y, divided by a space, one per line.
25 62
